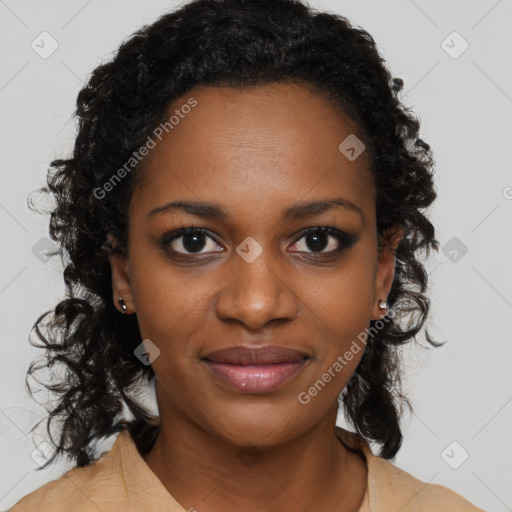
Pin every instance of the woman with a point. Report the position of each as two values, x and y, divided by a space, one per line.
241 221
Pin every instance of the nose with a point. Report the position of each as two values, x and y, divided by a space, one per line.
256 293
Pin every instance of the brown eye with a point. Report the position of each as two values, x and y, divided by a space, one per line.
324 240
189 241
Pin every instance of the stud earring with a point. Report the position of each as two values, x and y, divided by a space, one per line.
383 305
122 303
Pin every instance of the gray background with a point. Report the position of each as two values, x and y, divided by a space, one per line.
461 392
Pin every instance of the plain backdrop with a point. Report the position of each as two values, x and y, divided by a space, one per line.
454 57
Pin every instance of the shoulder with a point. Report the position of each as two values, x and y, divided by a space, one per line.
79 489
392 488
412 494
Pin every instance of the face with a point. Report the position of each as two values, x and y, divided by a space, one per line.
267 266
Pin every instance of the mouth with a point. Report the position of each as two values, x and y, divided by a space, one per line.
255 370
268 354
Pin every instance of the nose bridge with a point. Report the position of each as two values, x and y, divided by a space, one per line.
255 292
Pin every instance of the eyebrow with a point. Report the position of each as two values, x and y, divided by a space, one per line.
295 212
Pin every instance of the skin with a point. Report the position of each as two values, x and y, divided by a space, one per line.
255 152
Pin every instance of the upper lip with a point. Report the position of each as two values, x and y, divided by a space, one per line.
268 354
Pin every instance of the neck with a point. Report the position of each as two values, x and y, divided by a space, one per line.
314 471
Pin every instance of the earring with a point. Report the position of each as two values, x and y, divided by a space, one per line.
383 305
122 303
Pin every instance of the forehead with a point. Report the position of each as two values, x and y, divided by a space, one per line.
271 144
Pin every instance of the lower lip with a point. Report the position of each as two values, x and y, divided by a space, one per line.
255 378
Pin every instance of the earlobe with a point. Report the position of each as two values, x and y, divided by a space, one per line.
121 287
385 270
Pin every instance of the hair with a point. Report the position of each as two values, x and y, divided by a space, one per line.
237 43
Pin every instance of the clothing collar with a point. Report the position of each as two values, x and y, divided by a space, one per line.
127 461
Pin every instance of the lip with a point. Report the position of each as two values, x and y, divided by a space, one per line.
268 354
259 378
255 370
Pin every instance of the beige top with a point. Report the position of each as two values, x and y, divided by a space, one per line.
121 481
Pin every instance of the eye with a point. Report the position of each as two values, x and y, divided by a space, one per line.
320 240
189 241
324 240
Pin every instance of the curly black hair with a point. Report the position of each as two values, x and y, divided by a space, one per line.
238 43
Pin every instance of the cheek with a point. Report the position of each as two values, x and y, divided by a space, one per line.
340 305
173 309
162 289
342 300
166 300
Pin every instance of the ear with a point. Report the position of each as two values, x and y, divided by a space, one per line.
385 271
121 286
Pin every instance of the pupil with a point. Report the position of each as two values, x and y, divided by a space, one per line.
193 242
319 241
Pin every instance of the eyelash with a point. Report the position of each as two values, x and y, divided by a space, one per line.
346 240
